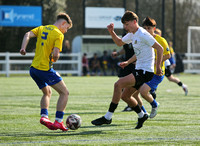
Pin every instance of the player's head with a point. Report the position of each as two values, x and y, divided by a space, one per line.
95 55
170 43
130 21
129 16
149 24
64 22
158 31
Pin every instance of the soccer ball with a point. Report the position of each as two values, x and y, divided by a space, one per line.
73 121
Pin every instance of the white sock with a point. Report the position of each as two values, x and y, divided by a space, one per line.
184 86
59 120
43 115
141 114
108 115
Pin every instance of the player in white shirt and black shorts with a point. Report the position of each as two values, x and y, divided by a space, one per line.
143 44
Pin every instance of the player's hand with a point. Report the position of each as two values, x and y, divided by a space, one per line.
110 27
22 51
123 64
172 66
159 71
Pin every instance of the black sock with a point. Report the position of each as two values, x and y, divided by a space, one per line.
153 93
112 107
180 83
137 108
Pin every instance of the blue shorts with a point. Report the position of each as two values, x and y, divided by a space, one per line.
153 84
44 78
172 60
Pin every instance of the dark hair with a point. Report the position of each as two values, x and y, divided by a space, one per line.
148 22
129 16
65 17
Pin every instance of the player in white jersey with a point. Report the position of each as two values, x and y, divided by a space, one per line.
142 43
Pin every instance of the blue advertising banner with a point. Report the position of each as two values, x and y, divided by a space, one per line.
20 16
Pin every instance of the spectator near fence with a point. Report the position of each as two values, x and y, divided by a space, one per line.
104 62
66 47
66 50
113 61
95 65
85 65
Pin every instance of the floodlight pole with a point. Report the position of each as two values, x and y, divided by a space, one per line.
174 24
163 18
124 4
41 3
136 7
83 16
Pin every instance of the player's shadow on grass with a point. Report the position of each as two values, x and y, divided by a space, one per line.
53 133
72 133
92 126
60 133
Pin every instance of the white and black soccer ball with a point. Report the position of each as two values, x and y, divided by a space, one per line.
73 121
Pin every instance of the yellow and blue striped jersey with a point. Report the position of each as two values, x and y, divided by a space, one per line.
48 37
171 50
166 51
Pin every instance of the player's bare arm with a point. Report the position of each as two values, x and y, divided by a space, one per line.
159 49
165 57
25 41
131 60
56 54
116 39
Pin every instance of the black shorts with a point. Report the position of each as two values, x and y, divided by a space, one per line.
142 77
127 70
168 72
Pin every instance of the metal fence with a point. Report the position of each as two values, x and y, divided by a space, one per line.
71 64
15 63
192 63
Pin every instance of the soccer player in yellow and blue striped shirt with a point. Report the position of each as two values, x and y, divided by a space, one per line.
171 62
48 46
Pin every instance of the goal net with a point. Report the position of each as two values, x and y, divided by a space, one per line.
193 50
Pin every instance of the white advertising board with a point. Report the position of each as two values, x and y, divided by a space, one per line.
100 17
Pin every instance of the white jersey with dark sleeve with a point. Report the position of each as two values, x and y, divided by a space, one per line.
142 42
